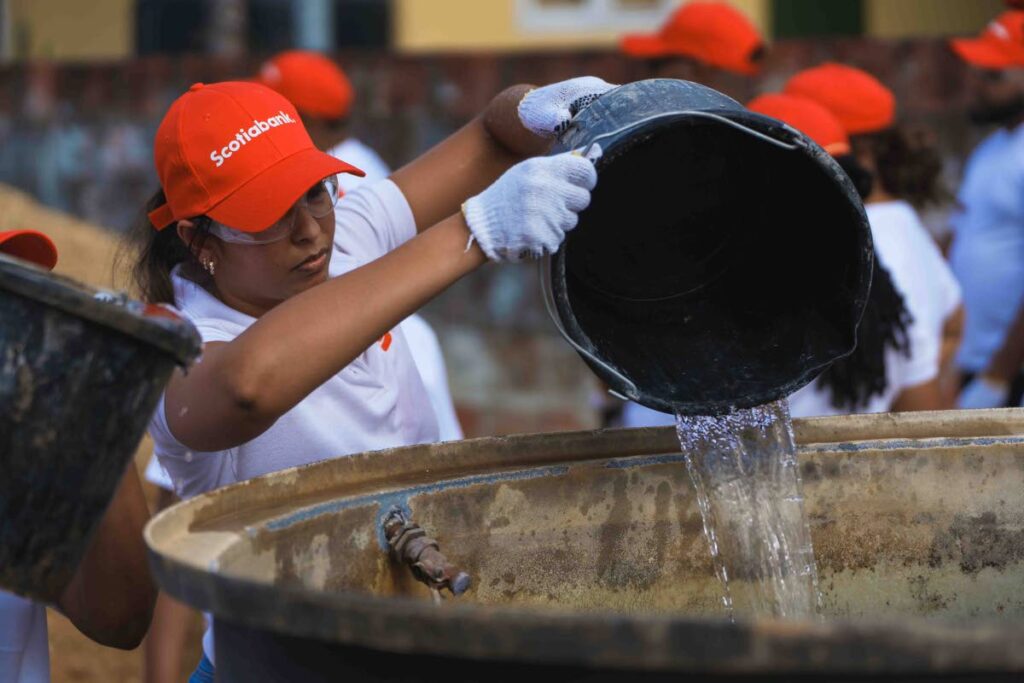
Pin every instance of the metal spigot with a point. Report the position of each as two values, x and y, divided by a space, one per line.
410 545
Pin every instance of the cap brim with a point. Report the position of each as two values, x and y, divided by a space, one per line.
981 53
31 246
264 199
643 46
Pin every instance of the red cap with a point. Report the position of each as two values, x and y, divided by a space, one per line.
236 152
714 33
29 245
858 99
1000 45
808 117
313 83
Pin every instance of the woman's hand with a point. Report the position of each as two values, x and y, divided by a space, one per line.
520 122
548 111
527 211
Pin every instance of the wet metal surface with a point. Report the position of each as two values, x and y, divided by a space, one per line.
586 548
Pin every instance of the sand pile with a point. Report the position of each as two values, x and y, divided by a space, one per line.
86 251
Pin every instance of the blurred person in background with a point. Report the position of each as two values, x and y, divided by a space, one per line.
297 296
324 97
110 596
907 172
704 42
988 227
707 43
896 362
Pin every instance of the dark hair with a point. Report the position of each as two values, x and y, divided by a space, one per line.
862 179
907 165
853 380
148 255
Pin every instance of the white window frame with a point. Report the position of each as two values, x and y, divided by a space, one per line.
592 15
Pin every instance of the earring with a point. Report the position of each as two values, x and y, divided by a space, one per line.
209 266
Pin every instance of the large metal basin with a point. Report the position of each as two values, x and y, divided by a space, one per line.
588 560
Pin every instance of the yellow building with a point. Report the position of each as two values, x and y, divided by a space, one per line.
482 25
67 30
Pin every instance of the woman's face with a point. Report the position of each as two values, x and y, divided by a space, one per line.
253 278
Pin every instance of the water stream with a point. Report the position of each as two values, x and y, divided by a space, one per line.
744 468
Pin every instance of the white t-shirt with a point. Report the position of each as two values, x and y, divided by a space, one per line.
378 401
426 352
918 269
24 653
362 157
988 245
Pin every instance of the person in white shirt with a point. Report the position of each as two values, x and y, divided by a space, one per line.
988 229
297 296
110 596
895 364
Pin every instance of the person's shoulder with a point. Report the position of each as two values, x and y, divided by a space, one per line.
363 157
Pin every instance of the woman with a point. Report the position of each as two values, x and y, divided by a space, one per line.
895 364
907 172
297 296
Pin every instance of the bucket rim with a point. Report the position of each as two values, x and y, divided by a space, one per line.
166 331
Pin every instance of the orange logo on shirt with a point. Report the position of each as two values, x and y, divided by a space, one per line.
385 341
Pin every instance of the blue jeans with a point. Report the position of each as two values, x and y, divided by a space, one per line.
203 672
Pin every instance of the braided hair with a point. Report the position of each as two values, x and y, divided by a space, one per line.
853 380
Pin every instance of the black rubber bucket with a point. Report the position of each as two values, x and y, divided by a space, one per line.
79 379
725 258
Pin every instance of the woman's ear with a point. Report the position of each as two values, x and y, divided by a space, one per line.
203 251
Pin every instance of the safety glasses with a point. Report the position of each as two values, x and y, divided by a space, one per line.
319 201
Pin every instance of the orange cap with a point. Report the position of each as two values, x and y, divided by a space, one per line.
313 83
29 245
236 152
808 117
858 99
1000 45
714 33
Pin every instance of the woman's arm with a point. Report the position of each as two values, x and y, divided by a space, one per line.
110 597
520 122
436 183
927 396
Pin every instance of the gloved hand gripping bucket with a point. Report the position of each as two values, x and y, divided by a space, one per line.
724 261
79 380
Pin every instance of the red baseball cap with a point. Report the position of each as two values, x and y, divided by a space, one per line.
29 245
808 117
855 97
1000 45
312 82
714 33
236 152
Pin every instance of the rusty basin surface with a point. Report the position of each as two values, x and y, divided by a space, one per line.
588 560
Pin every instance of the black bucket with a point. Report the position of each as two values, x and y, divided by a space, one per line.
79 379
725 258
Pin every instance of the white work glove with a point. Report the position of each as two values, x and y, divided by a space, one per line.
983 392
548 111
528 210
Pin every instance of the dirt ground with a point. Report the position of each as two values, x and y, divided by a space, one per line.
86 253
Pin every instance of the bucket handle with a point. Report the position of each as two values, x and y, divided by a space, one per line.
549 303
696 114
